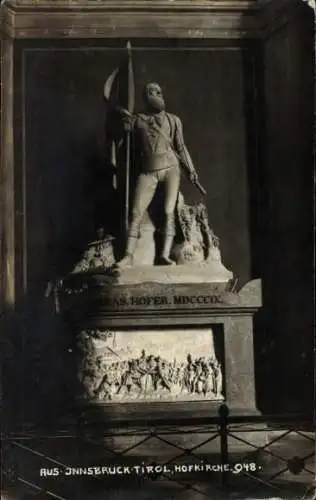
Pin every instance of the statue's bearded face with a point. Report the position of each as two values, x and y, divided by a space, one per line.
153 98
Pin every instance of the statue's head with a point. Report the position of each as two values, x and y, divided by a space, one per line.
153 98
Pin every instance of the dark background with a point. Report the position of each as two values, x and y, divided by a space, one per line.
247 112
65 136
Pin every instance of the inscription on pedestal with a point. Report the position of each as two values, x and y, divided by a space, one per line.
118 301
151 365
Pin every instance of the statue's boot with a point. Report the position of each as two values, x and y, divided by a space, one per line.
127 260
164 259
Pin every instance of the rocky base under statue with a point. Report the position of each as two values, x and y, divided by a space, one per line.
196 251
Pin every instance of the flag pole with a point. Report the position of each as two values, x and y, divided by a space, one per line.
130 108
127 180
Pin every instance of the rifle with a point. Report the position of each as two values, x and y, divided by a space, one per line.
200 187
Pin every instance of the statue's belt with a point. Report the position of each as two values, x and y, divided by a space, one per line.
169 141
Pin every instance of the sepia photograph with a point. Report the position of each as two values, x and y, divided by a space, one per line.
157 249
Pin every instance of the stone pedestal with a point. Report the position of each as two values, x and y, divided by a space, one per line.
164 352
125 320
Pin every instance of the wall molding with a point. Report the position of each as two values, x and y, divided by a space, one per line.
7 202
219 19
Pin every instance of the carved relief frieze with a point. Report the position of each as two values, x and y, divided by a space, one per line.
130 366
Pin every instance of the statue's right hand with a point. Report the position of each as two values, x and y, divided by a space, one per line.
126 117
127 124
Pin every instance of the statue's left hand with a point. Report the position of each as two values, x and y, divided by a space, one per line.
193 177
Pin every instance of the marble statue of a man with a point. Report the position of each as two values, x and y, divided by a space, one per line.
161 152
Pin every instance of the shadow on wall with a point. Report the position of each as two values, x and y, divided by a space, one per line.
38 365
281 208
